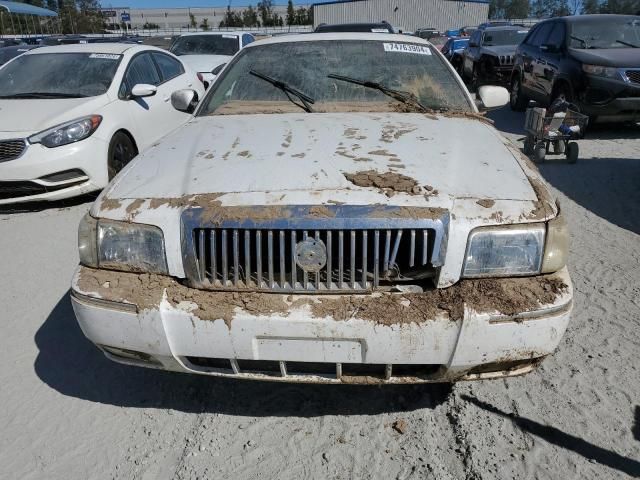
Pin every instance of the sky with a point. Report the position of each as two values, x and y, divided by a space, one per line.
193 3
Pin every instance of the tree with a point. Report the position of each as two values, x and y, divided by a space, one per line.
204 25
192 20
265 10
291 14
250 17
590 6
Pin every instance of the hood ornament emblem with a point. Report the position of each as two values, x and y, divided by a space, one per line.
311 255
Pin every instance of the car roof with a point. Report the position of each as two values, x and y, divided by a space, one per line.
594 17
344 27
505 28
235 33
317 37
117 48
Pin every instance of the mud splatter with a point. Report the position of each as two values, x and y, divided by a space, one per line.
486 203
389 181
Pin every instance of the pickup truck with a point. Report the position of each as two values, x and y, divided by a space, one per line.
347 216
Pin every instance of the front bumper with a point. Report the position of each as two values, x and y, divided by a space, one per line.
610 100
47 174
161 330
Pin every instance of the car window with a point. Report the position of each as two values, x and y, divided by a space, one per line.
169 67
408 67
494 38
609 31
475 38
247 39
46 75
557 35
223 44
142 70
541 34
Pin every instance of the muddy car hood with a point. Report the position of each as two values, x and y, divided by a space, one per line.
449 157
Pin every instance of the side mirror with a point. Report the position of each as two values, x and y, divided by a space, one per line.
218 69
184 100
492 97
143 90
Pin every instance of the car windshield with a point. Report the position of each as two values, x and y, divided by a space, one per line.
409 68
46 75
206 45
494 38
621 32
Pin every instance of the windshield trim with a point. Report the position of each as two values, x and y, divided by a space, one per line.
436 53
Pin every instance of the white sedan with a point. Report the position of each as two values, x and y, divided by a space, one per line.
72 116
208 52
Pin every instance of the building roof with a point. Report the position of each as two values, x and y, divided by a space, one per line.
26 9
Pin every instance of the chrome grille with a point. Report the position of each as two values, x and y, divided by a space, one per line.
237 256
11 149
633 75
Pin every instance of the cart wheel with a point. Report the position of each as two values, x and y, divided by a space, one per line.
528 145
539 151
558 147
573 150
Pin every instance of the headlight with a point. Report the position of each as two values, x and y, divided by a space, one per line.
130 247
69 132
512 250
601 71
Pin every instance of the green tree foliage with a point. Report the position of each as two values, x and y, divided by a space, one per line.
250 17
291 13
508 9
192 20
204 25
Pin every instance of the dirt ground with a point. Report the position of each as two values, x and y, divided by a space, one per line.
69 413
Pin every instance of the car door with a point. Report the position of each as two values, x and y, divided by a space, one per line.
538 62
173 77
148 113
552 52
471 53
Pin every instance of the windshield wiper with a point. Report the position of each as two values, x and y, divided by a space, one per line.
584 42
288 91
407 98
627 44
43 95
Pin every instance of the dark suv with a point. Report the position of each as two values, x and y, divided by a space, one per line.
489 56
592 61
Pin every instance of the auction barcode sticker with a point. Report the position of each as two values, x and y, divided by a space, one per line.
407 48
106 56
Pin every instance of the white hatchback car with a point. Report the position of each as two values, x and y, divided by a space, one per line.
208 52
72 116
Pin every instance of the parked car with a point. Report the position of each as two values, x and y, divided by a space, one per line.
488 57
7 53
72 116
438 41
590 60
452 51
208 52
312 224
427 33
467 31
380 27
11 42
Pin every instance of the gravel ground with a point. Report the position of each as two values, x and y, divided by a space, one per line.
70 413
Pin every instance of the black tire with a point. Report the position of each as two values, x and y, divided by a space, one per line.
517 100
121 151
539 152
573 150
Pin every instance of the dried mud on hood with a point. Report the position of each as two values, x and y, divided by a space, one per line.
506 296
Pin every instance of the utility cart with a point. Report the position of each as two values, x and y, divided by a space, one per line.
555 128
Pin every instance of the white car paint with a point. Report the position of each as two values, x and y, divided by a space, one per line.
146 120
466 167
204 64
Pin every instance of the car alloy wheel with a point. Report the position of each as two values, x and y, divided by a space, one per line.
517 101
